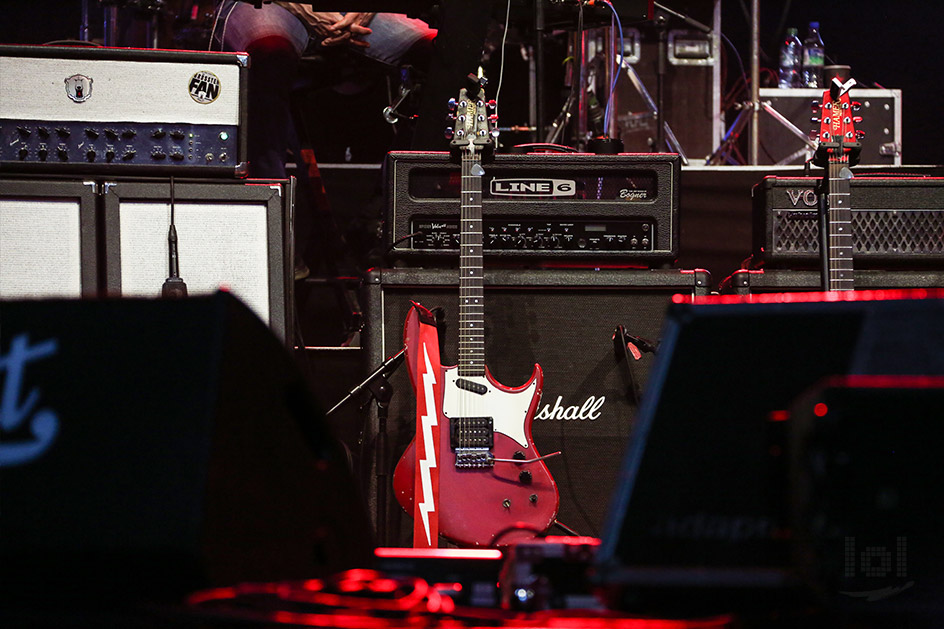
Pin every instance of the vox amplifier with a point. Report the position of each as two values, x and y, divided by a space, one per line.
895 222
122 111
547 206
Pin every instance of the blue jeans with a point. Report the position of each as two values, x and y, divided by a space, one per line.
275 40
240 24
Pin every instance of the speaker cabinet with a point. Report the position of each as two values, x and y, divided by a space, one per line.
168 445
783 281
231 235
562 319
48 239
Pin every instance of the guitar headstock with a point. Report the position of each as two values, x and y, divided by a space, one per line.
474 127
837 135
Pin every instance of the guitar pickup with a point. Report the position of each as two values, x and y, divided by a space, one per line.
474 387
471 432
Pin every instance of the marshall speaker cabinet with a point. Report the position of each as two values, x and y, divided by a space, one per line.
538 207
896 222
122 111
563 320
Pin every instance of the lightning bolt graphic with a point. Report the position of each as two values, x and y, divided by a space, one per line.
428 460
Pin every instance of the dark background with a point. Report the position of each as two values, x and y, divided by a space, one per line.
891 44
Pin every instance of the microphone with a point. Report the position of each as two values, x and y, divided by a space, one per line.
174 286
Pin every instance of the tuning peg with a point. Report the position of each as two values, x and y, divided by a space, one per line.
495 133
815 106
452 104
492 104
856 105
493 118
857 119
449 133
859 135
815 119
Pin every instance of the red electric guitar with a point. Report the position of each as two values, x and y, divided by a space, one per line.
838 150
493 486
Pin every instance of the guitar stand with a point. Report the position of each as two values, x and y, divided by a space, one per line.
379 386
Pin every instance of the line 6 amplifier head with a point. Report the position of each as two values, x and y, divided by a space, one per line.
896 222
122 111
548 206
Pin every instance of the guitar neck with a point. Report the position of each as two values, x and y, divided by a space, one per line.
840 245
471 288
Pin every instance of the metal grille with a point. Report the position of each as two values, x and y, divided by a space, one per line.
874 232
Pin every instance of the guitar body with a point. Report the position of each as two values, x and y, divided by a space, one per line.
482 506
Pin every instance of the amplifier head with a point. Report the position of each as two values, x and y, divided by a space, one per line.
896 222
549 206
120 111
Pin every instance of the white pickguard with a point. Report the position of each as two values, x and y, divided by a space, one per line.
507 410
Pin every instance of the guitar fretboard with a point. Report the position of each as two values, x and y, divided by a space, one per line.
471 290
840 244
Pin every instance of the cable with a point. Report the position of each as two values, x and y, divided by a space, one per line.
501 64
607 112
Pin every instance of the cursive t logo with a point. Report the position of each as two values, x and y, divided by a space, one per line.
44 423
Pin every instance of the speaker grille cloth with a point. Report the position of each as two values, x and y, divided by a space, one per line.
40 250
221 245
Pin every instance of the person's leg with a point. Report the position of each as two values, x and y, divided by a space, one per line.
275 40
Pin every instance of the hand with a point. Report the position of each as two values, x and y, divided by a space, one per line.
348 29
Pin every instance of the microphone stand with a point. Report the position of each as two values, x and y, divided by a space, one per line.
379 386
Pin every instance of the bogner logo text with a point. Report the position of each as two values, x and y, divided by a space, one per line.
589 410
533 187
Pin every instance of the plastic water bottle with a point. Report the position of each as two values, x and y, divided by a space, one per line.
791 55
814 57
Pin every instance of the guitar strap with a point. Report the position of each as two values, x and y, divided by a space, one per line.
421 338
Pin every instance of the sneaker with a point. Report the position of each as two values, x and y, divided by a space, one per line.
301 269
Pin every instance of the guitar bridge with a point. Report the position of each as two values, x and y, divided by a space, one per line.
471 432
474 458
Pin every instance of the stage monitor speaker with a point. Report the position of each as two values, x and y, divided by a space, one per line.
48 239
864 456
562 319
151 447
231 235
702 518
